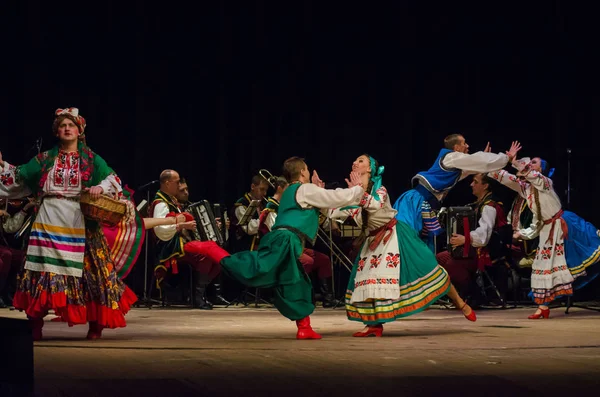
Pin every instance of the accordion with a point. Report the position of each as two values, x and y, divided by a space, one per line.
460 220
207 228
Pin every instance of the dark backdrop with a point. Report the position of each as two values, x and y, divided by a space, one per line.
219 91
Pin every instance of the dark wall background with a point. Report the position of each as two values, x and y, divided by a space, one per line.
219 91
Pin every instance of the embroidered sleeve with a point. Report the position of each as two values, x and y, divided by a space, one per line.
509 180
111 185
539 181
11 186
371 202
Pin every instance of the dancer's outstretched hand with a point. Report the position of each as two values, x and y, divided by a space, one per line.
355 179
316 180
488 148
514 149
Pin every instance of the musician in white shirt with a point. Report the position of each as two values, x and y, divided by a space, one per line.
484 244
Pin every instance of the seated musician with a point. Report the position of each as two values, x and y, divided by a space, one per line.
11 258
486 240
312 261
246 236
175 246
183 197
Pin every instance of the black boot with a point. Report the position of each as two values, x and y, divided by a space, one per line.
2 304
200 283
219 298
328 298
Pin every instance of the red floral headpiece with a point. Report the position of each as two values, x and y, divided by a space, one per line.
74 113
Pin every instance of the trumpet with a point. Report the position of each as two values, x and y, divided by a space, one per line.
268 177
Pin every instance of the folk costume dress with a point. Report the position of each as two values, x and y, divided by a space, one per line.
68 265
417 207
395 274
276 261
568 246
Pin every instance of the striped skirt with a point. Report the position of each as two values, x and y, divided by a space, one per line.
57 239
421 281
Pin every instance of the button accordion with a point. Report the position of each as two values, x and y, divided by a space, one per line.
207 228
460 220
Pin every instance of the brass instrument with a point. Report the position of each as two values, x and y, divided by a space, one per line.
268 177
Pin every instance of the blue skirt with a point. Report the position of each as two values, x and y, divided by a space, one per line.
582 249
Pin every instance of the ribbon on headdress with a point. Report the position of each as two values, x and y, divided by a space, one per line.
376 177
550 172
73 112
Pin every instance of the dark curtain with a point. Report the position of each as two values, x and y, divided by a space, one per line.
218 91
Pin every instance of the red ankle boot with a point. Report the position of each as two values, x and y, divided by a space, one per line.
305 331
375 330
36 325
95 331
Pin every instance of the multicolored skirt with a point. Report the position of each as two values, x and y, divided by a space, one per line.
98 295
421 281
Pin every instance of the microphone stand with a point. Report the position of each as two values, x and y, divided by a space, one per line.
568 178
146 300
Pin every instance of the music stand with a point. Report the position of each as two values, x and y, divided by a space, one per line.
250 211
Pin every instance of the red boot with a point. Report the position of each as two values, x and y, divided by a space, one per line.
36 325
305 331
95 331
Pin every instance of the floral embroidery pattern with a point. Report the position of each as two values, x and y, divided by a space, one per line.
361 263
375 261
6 179
546 252
375 281
74 170
67 170
547 272
393 260
560 249
364 199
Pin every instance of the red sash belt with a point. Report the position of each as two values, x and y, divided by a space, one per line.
563 226
383 233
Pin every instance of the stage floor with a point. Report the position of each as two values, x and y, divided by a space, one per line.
249 351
